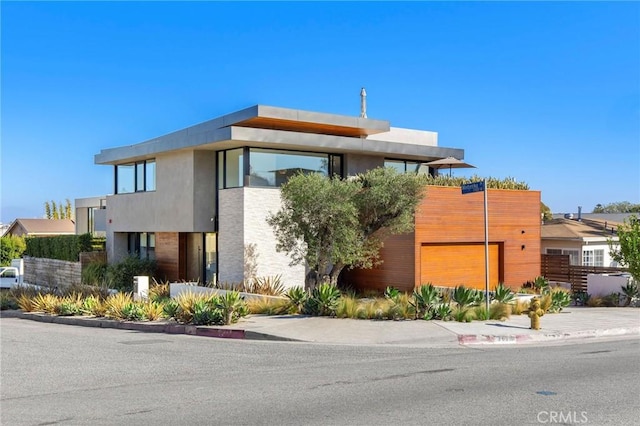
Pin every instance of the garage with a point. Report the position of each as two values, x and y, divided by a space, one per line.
451 265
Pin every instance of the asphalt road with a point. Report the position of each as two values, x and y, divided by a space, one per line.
56 374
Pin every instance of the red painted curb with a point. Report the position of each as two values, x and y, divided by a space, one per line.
220 333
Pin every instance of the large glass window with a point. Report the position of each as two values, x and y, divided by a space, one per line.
271 167
403 166
142 245
150 176
125 178
233 167
136 177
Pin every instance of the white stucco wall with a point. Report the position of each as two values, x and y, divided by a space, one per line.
242 222
603 284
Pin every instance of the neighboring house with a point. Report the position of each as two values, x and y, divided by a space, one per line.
41 227
585 241
91 216
196 200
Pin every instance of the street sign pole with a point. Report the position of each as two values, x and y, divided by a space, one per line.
469 188
486 249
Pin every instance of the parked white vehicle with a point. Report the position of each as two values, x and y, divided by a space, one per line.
9 277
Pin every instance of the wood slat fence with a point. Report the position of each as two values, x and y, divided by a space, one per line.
558 268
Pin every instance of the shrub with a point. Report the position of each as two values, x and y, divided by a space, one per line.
611 300
45 302
499 311
518 307
11 247
62 247
120 275
594 301
347 307
268 286
7 301
374 309
85 291
463 314
94 273
268 306
159 292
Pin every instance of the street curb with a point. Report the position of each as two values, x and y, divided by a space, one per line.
482 339
148 327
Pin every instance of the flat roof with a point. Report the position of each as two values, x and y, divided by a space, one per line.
267 126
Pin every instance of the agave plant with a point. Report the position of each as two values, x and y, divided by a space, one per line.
392 293
541 285
559 299
581 298
323 300
93 305
630 291
133 311
442 312
426 297
206 313
69 305
297 296
503 294
231 305
170 309
464 297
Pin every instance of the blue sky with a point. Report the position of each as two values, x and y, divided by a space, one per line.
548 93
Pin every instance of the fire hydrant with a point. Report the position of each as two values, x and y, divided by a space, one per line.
535 312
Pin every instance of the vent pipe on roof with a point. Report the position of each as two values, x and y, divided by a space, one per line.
363 103
579 213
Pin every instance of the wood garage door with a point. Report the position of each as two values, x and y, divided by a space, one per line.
455 264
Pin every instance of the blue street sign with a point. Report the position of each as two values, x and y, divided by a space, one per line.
468 188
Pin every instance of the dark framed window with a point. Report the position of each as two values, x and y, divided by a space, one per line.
142 245
135 177
272 167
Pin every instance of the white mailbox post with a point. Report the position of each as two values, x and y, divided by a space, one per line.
140 287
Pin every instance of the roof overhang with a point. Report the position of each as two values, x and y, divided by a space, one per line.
281 128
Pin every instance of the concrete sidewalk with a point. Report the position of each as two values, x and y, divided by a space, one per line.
572 323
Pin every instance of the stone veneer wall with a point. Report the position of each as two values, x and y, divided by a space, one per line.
242 223
58 273
258 204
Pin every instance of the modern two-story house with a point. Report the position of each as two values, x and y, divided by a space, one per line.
196 200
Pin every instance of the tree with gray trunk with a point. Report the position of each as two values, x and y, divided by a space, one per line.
332 223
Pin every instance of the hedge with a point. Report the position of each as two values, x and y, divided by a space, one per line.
61 247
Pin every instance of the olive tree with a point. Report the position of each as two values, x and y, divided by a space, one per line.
627 252
332 223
